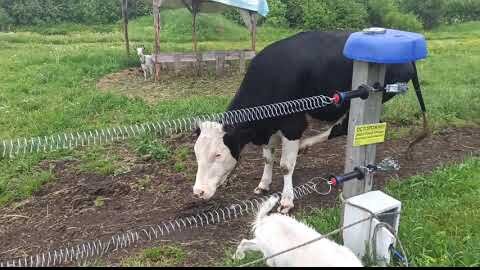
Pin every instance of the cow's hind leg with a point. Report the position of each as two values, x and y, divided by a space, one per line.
266 180
337 129
287 163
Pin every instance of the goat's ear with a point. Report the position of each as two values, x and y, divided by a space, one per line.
196 131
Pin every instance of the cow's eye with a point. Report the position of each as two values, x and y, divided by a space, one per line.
218 155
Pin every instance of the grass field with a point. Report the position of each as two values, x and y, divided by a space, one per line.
48 86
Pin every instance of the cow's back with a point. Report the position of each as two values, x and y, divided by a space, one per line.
306 64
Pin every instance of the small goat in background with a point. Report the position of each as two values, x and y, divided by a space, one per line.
276 233
148 64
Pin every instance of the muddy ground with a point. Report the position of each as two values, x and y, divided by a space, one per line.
65 210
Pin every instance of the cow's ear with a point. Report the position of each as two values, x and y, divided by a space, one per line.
196 131
233 144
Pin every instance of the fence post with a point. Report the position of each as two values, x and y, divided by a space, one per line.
371 50
363 112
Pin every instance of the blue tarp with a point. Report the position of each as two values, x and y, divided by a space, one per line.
258 6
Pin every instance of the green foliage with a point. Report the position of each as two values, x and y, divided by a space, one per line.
170 255
99 161
38 12
277 14
430 12
333 14
5 19
458 11
386 13
154 147
440 223
402 21
378 9
233 15
294 14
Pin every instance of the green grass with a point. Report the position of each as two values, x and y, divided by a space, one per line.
440 220
170 255
100 160
440 223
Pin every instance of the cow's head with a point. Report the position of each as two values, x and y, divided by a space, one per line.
216 158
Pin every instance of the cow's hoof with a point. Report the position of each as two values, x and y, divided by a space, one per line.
260 191
304 150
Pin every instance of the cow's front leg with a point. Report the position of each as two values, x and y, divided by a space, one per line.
266 180
287 163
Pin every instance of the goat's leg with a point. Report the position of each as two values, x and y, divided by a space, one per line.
245 245
287 163
152 74
144 74
266 180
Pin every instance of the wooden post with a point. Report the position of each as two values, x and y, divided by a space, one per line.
194 11
253 19
362 112
242 62
220 63
177 63
125 24
156 20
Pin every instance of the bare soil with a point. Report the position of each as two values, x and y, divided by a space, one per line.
131 83
64 211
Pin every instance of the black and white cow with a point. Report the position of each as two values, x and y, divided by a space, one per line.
306 64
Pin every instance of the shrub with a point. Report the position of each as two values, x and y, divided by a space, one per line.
277 14
34 12
5 20
430 12
378 9
294 14
402 21
334 14
462 10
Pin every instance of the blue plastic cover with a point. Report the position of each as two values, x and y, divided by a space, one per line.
390 47
258 6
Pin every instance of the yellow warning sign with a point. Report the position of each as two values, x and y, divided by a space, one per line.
369 134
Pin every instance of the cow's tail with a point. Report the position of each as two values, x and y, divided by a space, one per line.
418 91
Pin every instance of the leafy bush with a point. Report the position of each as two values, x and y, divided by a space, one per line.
402 21
378 9
35 12
5 20
458 11
334 14
430 12
277 14
294 14
233 15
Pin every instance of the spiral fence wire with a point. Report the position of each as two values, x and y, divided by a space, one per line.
15 147
98 248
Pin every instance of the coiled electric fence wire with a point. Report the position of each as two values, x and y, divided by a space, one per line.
14 147
98 248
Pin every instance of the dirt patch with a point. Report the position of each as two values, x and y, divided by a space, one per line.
130 82
65 211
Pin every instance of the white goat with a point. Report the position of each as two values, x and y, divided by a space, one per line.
148 64
275 233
